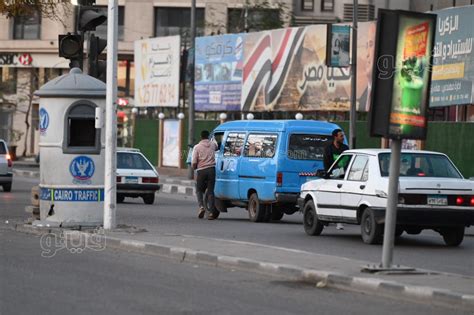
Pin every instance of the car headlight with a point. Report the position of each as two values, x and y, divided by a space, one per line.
381 193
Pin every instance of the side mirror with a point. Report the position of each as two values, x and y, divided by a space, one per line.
321 173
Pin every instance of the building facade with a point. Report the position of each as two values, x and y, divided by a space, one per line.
29 49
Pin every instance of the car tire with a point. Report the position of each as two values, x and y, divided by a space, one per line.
257 211
453 236
7 187
371 231
149 199
312 225
120 198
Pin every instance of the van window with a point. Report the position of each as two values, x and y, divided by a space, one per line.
233 144
307 146
217 137
260 145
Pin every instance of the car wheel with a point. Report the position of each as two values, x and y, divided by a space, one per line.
120 198
413 230
7 187
149 199
277 214
257 211
453 236
371 231
312 225
398 231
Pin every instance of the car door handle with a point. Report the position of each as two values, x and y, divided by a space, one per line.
222 165
362 186
339 185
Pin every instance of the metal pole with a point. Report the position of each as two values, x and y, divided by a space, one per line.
110 189
391 212
191 84
353 113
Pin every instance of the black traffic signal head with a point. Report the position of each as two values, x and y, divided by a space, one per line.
71 47
97 67
90 18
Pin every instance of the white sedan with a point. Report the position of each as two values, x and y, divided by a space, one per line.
136 176
432 195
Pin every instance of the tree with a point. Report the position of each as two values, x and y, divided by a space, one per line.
50 9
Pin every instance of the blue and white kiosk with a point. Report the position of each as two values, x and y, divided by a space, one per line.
72 151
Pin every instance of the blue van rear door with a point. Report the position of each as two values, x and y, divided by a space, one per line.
304 156
227 168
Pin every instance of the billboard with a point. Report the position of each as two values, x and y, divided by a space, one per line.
453 60
285 70
157 72
339 40
218 73
404 57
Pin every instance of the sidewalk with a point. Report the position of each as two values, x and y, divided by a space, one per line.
425 286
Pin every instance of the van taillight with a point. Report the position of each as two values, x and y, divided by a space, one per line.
472 201
119 179
279 179
459 201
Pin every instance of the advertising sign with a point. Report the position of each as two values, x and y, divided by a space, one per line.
403 74
171 145
453 59
218 72
338 53
157 72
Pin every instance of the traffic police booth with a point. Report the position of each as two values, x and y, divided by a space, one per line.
72 151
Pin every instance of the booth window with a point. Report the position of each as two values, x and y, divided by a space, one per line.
80 134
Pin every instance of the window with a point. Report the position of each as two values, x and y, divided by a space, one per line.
359 170
177 21
260 145
3 148
307 5
8 79
233 144
132 161
217 137
327 5
257 20
80 134
27 27
339 168
307 146
420 165
101 30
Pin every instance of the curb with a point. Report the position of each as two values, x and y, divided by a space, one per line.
320 278
181 187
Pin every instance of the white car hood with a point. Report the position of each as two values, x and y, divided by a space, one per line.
440 185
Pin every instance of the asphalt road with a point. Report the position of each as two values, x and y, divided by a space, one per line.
175 214
119 282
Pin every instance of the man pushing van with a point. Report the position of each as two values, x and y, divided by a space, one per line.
204 163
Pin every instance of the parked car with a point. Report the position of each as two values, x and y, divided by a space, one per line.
261 165
432 195
136 176
6 165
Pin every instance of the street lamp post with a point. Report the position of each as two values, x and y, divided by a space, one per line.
353 113
191 84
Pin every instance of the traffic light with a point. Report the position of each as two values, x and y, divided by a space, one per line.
89 18
97 67
71 47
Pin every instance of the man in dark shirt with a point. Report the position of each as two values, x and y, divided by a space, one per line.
333 150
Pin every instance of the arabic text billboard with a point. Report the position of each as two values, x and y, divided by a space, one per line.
157 71
218 72
453 60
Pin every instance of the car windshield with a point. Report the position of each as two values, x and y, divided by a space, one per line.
132 161
307 146
420 165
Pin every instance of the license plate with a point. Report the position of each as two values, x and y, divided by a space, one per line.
436 200
131 180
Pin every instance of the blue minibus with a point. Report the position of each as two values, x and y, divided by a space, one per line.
261 164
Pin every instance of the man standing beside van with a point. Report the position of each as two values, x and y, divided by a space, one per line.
204 163
332 152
